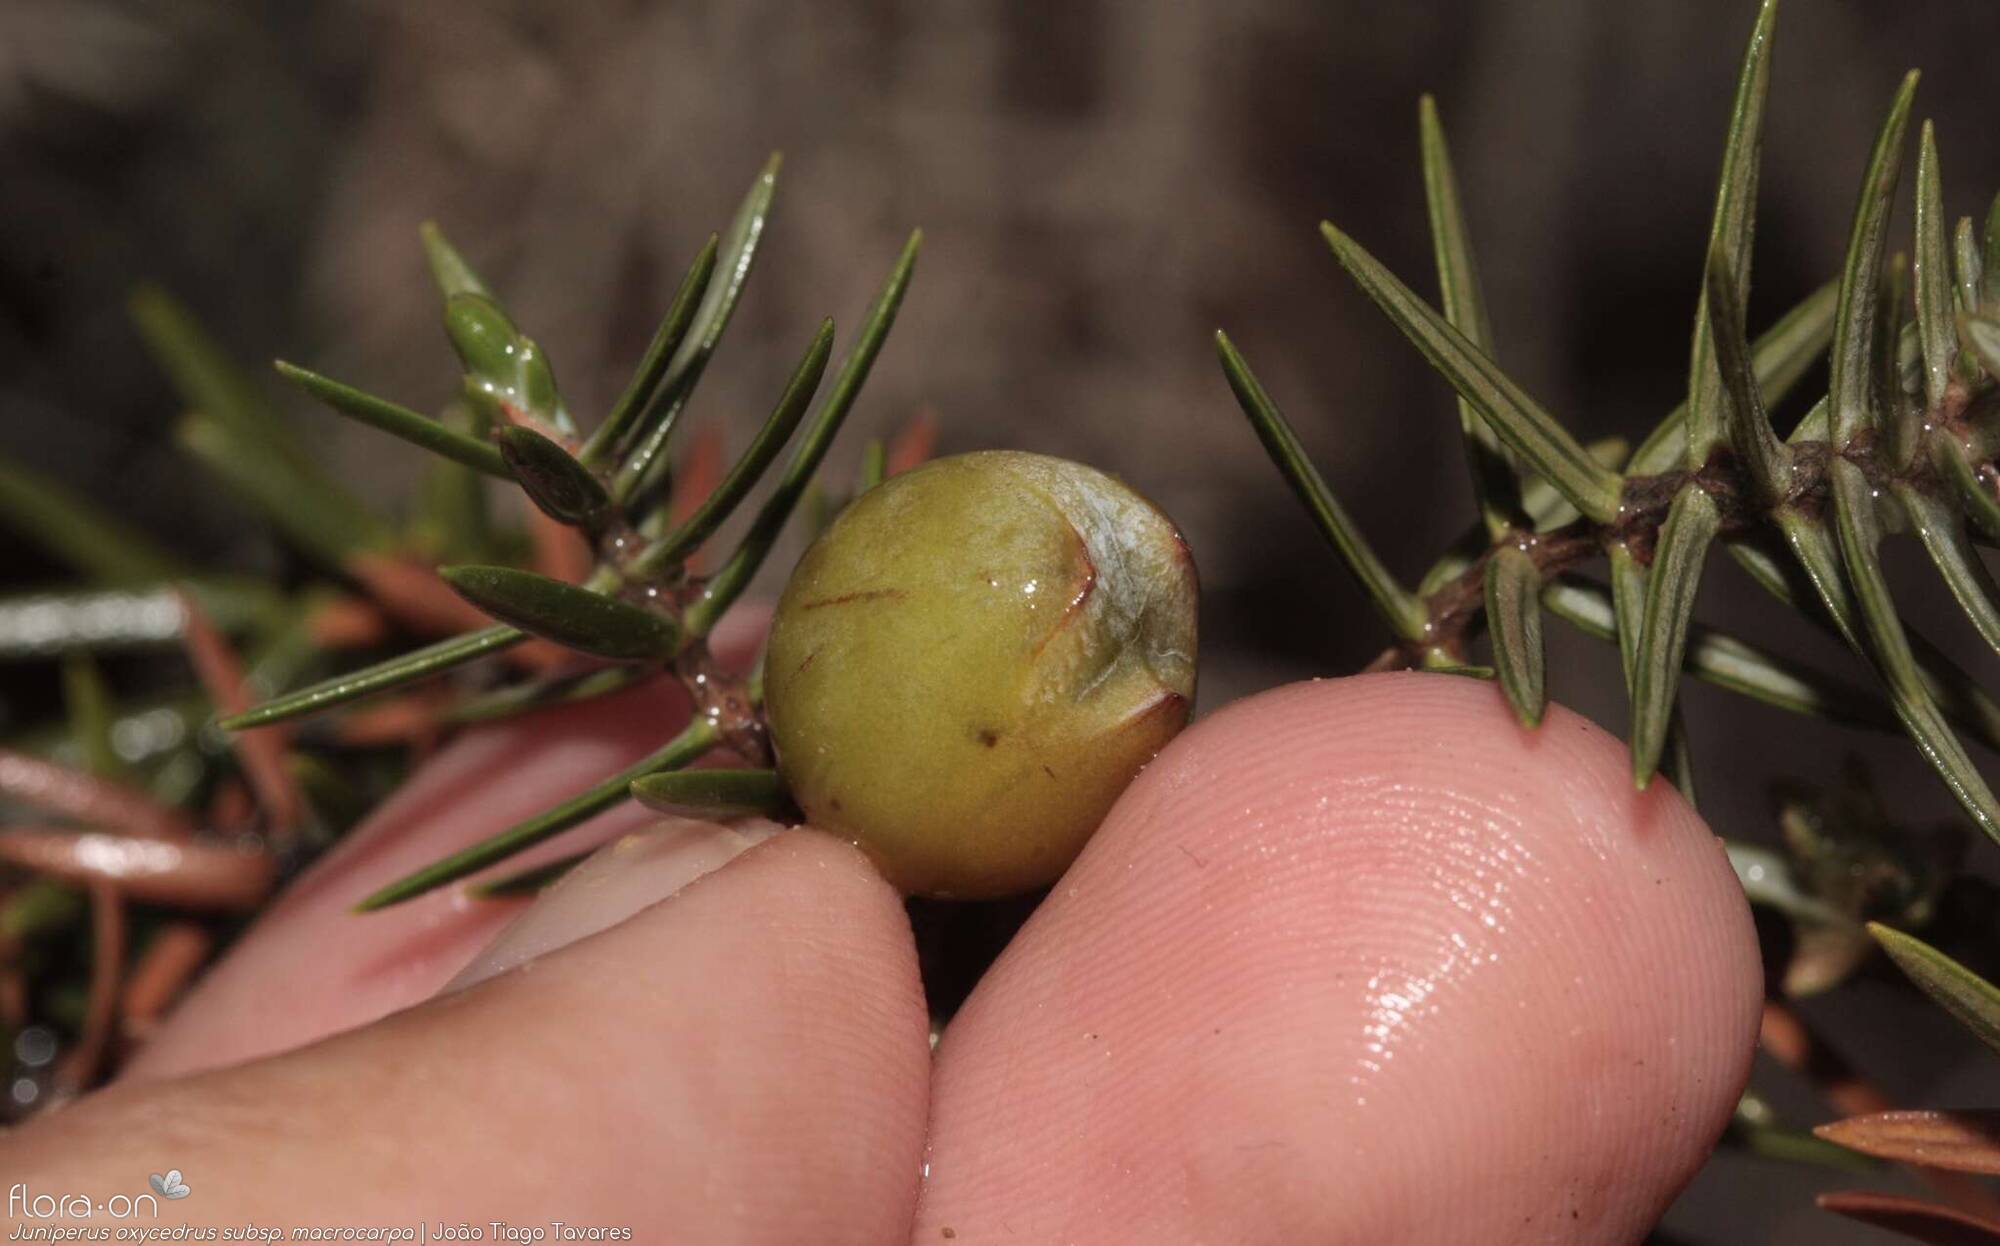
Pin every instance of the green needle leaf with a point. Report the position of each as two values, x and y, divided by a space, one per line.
451 518
213 386
564 689
1933 273
1970 269
77 533
1897 410
1781 357
37 906
573 616
394 673
1766 878
1961 992
1494 484
749 469
1529 430
1889 647
87 701
1989 280
529 881
1514 613
448 267
327 525
727 584
507 377
1982 505
563 488
660 351
1854 327
205 378
697 738
1821 596
234 432
1729 662
655 424
874 465
411 426
1983 337
1767 459
1671 586
1406 615
1730 233
1628 601
714 793
1937 525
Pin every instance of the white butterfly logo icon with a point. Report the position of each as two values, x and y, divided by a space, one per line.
169 1186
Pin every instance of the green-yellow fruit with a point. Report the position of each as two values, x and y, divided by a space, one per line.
972 662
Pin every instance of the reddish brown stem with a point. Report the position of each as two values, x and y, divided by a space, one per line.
413 595
262 753
184 875
1456 609
1786 1038
561 552
107 964
913 443
347 623
160 974
55 788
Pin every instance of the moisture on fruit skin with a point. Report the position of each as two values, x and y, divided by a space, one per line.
972 662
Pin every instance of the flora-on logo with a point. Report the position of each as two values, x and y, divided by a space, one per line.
170 1185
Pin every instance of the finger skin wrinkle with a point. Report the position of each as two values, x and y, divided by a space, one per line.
1357 961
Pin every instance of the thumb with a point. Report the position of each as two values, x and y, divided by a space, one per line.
1358 961
743 1061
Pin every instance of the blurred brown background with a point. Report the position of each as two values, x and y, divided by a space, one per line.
1101 183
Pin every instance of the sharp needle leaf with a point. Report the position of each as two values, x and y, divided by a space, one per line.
1730 234
1729 662
448 268
561 486
748 470
76 532
394 673
1495 486
1671 586
1766 458
1932 275
1962 993
1530 431
1781 357
1978 497
1852 385
660 351
696 739
1514 612
655 424
413 427
728 583
713 793
1889 647
1982 335
1405 615
1938 526
569 614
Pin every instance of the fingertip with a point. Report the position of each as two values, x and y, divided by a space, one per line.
744 1060
1369 927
